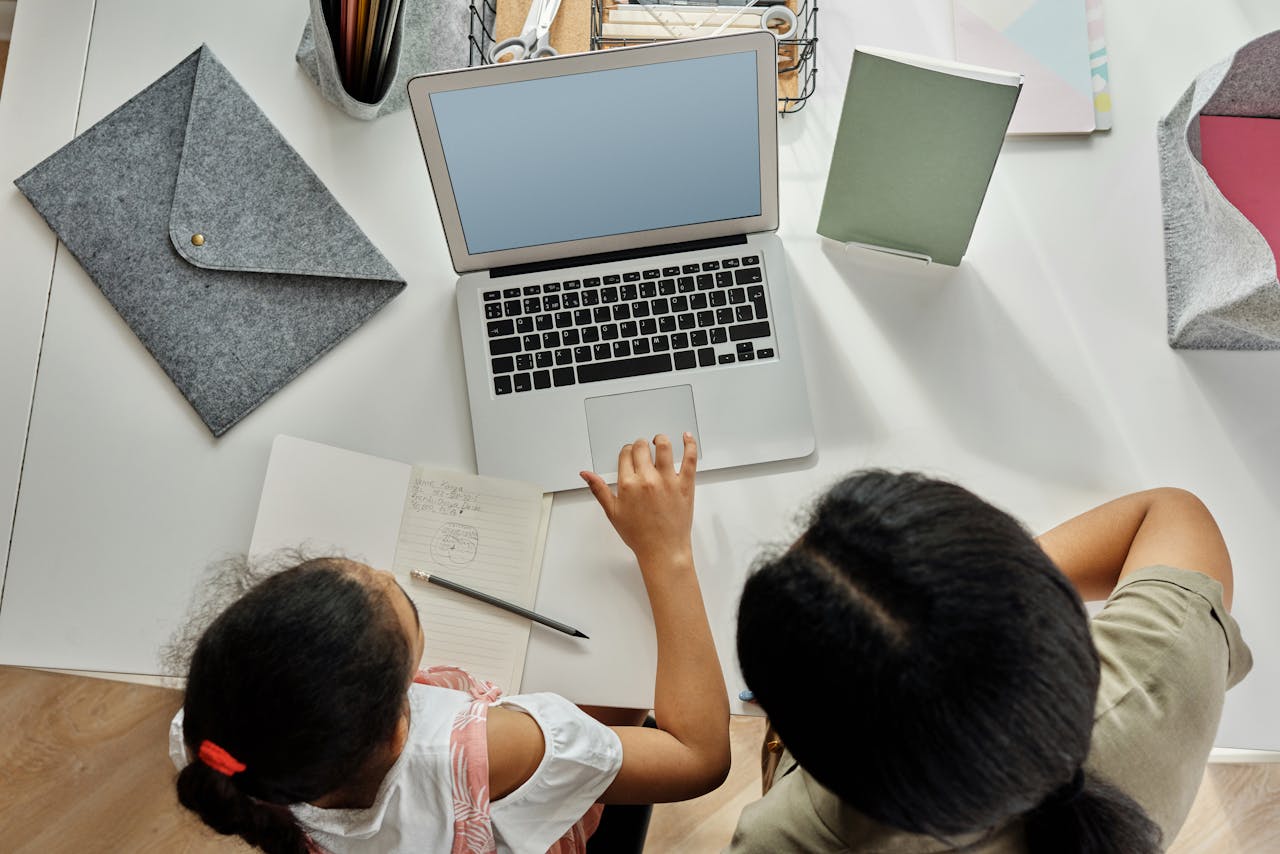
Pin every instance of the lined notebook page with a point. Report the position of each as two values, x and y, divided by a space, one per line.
486 534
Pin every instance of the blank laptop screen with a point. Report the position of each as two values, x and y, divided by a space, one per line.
604 152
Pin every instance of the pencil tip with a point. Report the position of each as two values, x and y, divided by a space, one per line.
578 634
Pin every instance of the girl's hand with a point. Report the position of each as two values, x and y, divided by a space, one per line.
653 510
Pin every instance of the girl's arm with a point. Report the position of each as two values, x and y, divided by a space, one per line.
688 754
1160 526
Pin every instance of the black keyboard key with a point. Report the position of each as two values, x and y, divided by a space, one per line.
590 334
542 359
680 341
719 335
640 346
706 281
551 340
563 319
706 357
543 322
762 310
729 262
698 338
635 277
667 323
498 328
551 302
726 359
749 330
621 349
622 311
724 279
609 331
743 314
746 357
551 288
530 290
601 351
570 337
573 285
710 265
766 353
522 382
718 298
492 311
640 309
687 321
504 346
755 292
660 305
531 342
542 379
490 296
706 318
748 276
648 290
608 295
524 362
651 274
648 326
532 305
689 268
660 342
582 354
628 329
510 293
582 317
737 296
601 314
686 359
591 297
680 303
571 300
670 271
751 260
524 325
502 385
512 307
627 293
624 368
685 284
745 347
724 316
697 301
610 279
503 365
667 287
564 356
562 377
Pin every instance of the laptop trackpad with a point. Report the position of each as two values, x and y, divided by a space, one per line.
619 419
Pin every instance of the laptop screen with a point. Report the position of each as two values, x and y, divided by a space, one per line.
604 152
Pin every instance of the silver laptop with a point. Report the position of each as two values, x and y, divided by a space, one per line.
612 216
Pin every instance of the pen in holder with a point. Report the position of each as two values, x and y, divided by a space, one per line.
361 53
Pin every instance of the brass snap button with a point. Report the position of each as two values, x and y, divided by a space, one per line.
197 240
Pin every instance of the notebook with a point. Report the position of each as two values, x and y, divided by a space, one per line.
1049 42
914 152
1242 156
484 533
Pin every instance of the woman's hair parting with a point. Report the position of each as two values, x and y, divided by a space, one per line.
291 690
949 663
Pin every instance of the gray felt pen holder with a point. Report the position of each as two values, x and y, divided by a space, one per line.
429 35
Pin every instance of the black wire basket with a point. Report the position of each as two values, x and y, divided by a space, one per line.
483 13
801 50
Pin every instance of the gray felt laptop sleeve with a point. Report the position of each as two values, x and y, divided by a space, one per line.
215 242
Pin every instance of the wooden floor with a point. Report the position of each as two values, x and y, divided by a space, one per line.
84 767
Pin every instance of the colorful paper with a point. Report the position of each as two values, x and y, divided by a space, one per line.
1242 156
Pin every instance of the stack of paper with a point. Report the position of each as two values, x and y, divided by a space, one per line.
1059 47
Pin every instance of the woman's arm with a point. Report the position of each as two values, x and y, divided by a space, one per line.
688 754
1159 526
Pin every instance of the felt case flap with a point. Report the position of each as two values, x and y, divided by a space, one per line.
255 203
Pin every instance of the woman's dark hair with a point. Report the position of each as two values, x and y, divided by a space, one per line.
952 662
302 680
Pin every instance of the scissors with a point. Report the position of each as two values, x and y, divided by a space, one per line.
534 42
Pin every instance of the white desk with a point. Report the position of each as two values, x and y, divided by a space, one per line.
1036 374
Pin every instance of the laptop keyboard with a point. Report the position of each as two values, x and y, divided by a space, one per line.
652 320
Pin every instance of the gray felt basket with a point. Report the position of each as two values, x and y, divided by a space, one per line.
1222 284
429 35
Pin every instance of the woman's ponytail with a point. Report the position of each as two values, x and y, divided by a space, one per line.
221 805
1090 816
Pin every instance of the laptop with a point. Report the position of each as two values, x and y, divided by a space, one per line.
612 217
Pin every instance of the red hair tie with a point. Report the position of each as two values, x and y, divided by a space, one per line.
218 759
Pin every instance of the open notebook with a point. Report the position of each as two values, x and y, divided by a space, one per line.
485 533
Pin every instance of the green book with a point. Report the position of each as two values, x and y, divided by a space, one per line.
917 144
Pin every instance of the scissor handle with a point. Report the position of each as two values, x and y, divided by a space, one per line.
516 46
543 51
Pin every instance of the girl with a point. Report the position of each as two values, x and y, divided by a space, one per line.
308 727
965 701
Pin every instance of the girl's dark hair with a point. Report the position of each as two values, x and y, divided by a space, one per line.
949 661
302 680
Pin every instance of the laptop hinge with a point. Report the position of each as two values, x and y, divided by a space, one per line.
620 255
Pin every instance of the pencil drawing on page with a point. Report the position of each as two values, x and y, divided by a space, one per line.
455 544
442 497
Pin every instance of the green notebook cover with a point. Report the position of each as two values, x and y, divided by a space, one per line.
913 156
